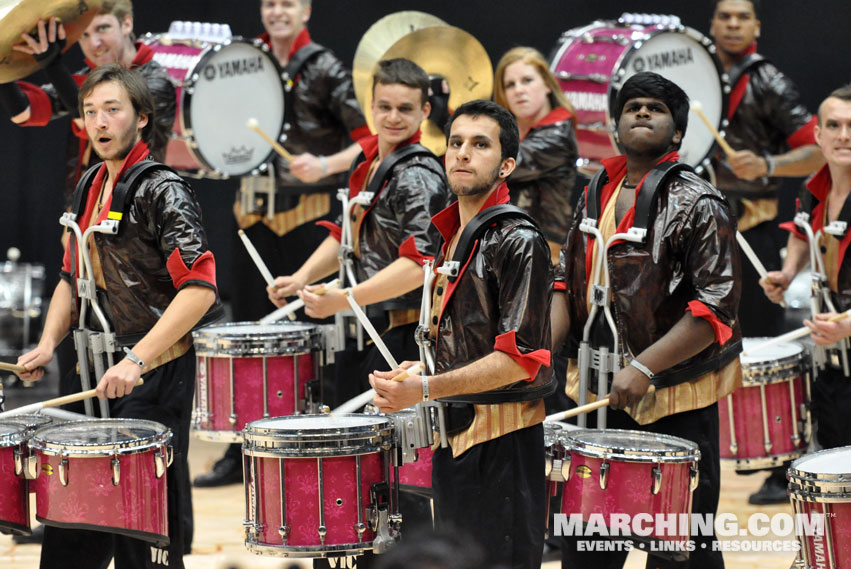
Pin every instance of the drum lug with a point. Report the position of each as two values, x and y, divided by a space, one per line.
170 454
159 463
734 449
604 475
284 532
657 479
116 470
19 461
548 466
31 467
322 531
694 477
360 528
64 470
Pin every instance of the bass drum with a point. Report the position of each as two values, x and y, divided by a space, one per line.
591 64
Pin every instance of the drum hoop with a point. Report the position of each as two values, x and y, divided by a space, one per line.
320 442
13 439
186 101
278 343
631 454
44 421
305 550
819 480
48 447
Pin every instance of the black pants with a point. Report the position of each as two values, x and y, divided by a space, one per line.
495 493
831 401
165 397
758 315
699 426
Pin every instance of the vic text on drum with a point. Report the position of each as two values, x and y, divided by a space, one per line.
133 286
652 271
490 332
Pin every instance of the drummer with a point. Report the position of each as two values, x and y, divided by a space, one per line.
166 301
828 200
324 119
772 133
674 298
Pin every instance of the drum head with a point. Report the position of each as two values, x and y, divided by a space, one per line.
252 339
307 436
630 446
778 353
831 462
30 422
100 436
234 82
11 433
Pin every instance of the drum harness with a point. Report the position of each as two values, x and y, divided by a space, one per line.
837 354
603 360
98 344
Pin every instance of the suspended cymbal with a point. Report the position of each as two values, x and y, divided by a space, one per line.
379 38
22 16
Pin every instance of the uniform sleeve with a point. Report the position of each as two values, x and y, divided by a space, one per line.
783 103
523 271
708 238
181 236
342 100
546 149
419 194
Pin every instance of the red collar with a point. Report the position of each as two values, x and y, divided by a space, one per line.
144 54
369 145
747 51
449 220
301 40
138 153
819 185
557 115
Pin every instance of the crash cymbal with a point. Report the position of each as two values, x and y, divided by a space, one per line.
22 16
379 38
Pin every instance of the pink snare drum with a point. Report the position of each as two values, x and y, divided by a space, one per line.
105 475
220 86
317 485
248 371
613 471
767 420
14 496
555 467
591 64
820 489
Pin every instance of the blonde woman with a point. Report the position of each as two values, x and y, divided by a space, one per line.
546 164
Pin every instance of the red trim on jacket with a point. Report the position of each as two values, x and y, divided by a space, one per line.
335 230
700 310
616 169
557 115
203 269
531 362
408 249
144 54
360 132
369 145
560 286
804 136
138 153
301 40
40 108
740 88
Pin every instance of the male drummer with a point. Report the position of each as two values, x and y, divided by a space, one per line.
156 281
491 333
324 118
673 296
828 189
772 133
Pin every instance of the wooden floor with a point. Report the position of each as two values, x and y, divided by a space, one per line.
219 538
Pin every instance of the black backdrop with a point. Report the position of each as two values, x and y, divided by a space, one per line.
807 38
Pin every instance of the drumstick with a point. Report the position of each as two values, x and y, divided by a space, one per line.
56 402
697 109
370 329
13 368
794 334
287 311
356 403
258 260
587 408
255 126
751 255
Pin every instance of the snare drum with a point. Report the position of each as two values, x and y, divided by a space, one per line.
317 485
612 471
104 475
592 63
767 421
248 371
554 455
820 483
14 496
220 85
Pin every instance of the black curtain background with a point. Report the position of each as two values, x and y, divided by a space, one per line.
806 38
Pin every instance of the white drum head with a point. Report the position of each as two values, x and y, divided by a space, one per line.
681 58
236 82
776 353
829 462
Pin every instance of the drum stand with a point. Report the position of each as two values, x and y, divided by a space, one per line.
88 341
258 185
820 292
604 361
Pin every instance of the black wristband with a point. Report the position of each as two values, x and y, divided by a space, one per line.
66 87
54 50
13 99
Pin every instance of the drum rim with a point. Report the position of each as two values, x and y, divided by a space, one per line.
19 420
368 438
14 438
139 444
689 453
278 343
298 551
796 473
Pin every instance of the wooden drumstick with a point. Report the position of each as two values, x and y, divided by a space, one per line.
258 260
794 334
13 368
56 402
751 255
587 408
255 126
697 109
367 396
